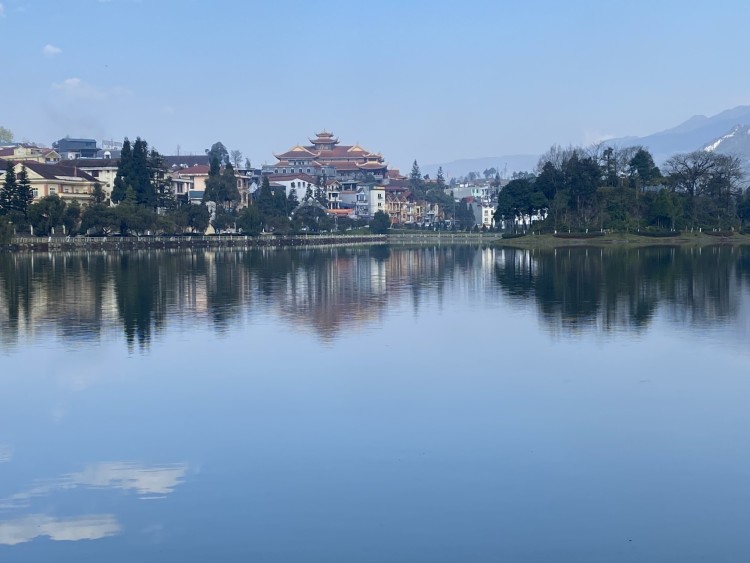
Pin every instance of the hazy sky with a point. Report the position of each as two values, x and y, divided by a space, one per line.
431 80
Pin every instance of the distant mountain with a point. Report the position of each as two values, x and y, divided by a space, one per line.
511 163
729 131
736 142
695 133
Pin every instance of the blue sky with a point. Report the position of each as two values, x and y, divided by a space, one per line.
435 81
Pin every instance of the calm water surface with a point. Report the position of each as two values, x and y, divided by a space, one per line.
410 405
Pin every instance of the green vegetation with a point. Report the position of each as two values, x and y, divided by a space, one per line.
380 223
623 190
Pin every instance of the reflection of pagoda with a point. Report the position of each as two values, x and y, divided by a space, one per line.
326 157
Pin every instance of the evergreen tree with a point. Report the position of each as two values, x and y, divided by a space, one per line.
24 194
98 196
292 201
160 182
265 200
123 170
219 152
415 178
9 189
440 178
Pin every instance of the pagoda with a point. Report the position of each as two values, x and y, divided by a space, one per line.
326 157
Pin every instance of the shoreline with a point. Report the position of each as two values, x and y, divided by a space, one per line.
531 241
54 244
624 240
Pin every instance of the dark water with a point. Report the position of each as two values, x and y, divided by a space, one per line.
409 405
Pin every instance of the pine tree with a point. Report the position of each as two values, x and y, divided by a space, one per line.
292 201
123 171
415 178
24 194
9 189
440 178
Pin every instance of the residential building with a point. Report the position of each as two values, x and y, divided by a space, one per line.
29 153
76 148
103 170
70 184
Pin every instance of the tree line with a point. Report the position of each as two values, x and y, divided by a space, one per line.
622 189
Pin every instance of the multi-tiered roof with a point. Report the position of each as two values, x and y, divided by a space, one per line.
325 150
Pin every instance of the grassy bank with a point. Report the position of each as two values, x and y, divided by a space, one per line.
623 239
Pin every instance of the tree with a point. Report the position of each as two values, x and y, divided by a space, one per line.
137 170
642 168
6 136
71 217
236 158
415 178
221 187
712 183
46 214
381 222
194 217
219 152
440 178
24 194
292 201
98 219
10 187
223 219
98 195
161 183
248 164
249 221
265 201
123 171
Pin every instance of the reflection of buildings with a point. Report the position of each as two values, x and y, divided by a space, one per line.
80 297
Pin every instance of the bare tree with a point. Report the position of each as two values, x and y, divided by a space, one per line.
236 158
708 176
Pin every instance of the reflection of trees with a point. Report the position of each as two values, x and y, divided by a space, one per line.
81 296
621 288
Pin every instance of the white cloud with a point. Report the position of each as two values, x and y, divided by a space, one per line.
6 453
22 530
2 11
50 50
167 110
78 89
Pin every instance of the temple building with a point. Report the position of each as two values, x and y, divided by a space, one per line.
326 157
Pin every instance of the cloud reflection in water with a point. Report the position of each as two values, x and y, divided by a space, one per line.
27 528
152 481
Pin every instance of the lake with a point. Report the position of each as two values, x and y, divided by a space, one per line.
402 404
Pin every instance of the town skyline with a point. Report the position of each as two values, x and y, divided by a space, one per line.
476 80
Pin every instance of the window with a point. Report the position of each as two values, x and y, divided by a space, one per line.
35 191
66 189
52 191
308 170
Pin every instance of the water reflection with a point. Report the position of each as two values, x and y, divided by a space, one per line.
145 481
84 297
28 528
580 289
